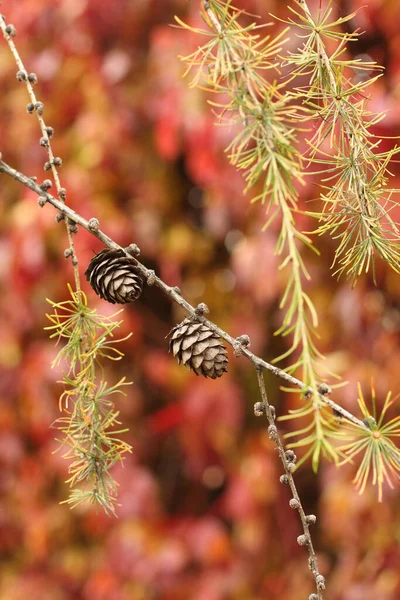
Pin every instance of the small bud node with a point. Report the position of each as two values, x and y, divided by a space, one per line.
324 389
311 519
133 250
39 106
290 456
10 29
93 224
302 540
294 503
201 309
259 409
46 185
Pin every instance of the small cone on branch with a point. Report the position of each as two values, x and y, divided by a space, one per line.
114 277
196 346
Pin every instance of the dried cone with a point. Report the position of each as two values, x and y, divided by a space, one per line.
114 277
199 348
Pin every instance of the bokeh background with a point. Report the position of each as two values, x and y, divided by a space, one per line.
203 515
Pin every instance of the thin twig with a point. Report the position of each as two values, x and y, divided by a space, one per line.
37 107
288 461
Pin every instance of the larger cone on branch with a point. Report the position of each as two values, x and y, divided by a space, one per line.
196 346
114 277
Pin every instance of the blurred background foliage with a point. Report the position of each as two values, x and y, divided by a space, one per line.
203 515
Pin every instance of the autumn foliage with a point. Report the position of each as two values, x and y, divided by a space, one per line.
202 513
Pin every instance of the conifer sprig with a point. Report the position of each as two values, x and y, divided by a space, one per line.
357 201
90 422
380 455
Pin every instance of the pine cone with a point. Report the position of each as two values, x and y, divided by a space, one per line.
114 277
199 348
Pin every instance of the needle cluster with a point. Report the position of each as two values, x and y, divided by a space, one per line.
356 196
89 424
